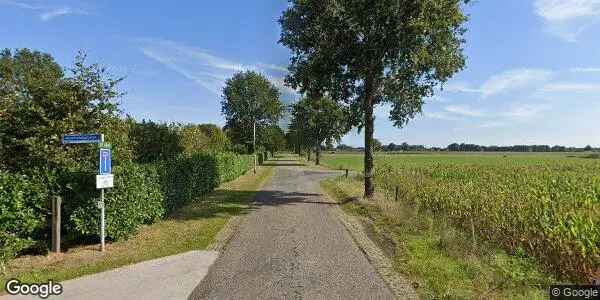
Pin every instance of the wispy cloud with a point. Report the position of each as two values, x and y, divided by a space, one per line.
206 69
513 79
493 124
567 18
571 87
46 12
502 82
585 70
464 110
524 111
442 115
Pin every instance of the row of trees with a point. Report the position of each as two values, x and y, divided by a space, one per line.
455 147
363 53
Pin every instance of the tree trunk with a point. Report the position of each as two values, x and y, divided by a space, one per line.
368 109
308 151
318 154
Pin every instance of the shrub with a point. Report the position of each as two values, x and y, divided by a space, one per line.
136 199
23 212
231 166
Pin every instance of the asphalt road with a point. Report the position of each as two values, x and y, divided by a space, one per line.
292 247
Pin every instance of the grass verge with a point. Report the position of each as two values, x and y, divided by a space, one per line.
193 227
440 260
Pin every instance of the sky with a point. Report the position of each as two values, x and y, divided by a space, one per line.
532 74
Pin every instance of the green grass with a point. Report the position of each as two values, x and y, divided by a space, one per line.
437 257
193 227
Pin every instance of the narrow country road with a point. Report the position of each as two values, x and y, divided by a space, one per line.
292 247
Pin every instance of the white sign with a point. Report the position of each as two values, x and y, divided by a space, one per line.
104 181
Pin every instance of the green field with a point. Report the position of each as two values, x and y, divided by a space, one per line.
544 205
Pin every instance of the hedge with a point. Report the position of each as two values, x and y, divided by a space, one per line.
143 193
23 213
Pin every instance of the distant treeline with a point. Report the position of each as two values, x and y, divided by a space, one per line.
462 147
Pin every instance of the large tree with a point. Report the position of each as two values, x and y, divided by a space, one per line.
366 52
39 102
249 98
318 121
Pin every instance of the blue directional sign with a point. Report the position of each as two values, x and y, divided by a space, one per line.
82 138
105 166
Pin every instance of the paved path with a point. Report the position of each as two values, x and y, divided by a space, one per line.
292 247
172 277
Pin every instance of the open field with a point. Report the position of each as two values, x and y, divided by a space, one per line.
543 205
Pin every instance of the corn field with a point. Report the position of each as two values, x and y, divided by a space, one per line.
550 208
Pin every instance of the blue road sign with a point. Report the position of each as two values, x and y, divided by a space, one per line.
82 138
105 166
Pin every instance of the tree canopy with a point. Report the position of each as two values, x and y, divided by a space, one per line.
318 120
39 103
249 97
368 52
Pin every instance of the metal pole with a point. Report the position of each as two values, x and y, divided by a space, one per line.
102 225
56 202
254 145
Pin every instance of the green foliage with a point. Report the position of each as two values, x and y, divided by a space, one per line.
231 166
206 138
155 141
316 121
248 98
23 209
364 53
273 139
136 199
39 103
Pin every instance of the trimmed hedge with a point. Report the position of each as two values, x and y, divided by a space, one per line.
136 199
143 193
23 212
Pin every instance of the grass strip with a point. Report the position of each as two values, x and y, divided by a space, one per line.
439 259
192 227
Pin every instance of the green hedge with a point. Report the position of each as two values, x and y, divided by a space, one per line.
136 199
143 193
23 212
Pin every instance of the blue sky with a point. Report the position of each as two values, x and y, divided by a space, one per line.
532 75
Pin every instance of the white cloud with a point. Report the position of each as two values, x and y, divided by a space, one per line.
585 70
524 111
206 69
571 87
563 10
492 124
47 12
513 79
464 110
441 115
502 82
567 18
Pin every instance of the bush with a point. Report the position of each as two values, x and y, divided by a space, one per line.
231 166
143 193
23 212
136 199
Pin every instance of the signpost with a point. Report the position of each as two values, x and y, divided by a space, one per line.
105 178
